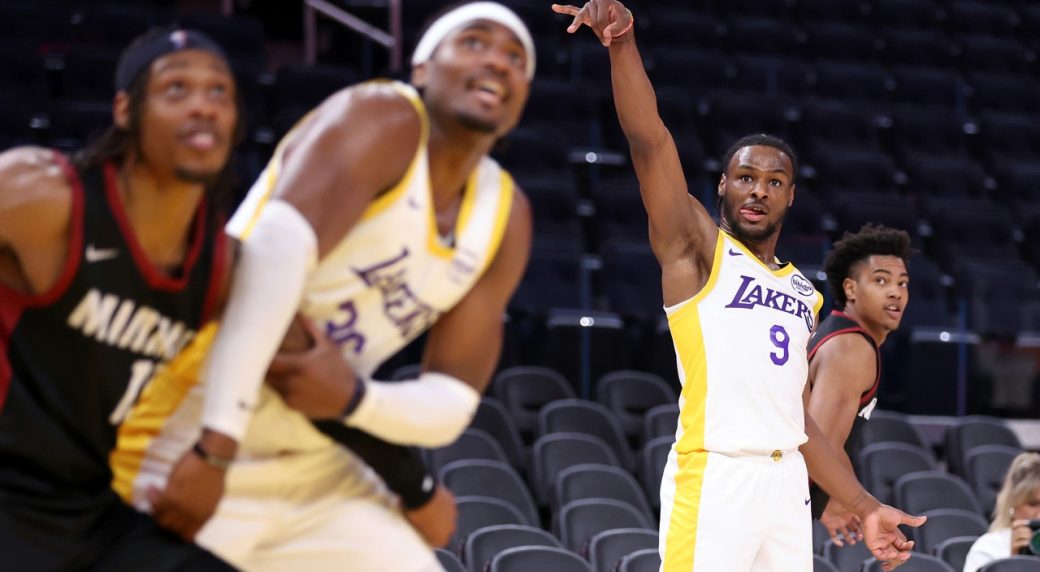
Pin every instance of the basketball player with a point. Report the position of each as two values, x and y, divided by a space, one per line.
107 268
380 216
740 321
866 272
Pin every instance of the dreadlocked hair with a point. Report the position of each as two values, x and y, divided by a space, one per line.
871 240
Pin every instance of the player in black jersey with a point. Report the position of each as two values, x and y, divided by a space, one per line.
867 275
107 269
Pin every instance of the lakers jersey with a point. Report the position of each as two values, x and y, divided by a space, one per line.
383 284
389 279
741 350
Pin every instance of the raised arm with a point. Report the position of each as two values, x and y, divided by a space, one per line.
680 227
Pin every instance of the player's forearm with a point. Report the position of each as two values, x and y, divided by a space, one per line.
634 96
268 283
834 475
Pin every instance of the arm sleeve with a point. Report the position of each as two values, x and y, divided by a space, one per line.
277 253
401 467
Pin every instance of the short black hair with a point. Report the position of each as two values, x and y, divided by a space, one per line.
871 240
766 140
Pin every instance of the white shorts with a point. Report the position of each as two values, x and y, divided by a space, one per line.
315 512
735 513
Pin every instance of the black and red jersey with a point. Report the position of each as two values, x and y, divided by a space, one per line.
839 323
75 358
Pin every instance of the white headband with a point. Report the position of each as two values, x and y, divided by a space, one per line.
465 14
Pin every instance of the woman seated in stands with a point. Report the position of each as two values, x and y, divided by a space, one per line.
1017 504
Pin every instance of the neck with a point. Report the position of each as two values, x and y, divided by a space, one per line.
160 209
877 332
764 249
453 153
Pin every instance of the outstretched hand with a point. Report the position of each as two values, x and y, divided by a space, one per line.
883 537
609 19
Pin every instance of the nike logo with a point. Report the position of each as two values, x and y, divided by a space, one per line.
414 203
735 253
807 501
93 254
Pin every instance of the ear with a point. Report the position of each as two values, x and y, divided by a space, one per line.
722 185
121 110
793 189
849 286
419 74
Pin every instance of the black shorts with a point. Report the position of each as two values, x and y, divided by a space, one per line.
103 535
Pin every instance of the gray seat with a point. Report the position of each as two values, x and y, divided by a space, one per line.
531 558
607 548
485 543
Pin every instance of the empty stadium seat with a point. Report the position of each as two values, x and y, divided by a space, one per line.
888 426
848 558
449 561
524 390
972 432
880 465
661 421
645 560
579 343
493 419
598 481
485 543
821 564
495 479
631 276
553 453
580 416
923 491
578 521
472 444
985 468
607 548
475 512
916 563
527 558
630 395
954 551
944 524
652 460
1012 564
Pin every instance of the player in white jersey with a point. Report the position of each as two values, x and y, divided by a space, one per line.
380 216
734 495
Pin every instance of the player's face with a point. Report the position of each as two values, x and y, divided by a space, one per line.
189 115
478 76
756 191
880 288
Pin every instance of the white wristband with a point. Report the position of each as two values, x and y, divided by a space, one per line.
431 411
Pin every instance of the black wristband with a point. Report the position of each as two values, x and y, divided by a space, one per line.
402 468
355 399
214 461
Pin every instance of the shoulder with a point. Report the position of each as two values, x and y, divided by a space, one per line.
850 348
34 187
848 359
391 105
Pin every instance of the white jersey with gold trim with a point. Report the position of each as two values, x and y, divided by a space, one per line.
390 278
741 350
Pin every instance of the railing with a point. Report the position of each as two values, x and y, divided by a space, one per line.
390 40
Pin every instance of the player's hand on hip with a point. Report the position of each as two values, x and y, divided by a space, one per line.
316 382
607 18
190 497
435 520
882 534
842 525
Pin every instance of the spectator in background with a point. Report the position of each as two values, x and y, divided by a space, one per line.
1017 504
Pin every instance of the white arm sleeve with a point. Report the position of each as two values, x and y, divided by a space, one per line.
431 411
267 286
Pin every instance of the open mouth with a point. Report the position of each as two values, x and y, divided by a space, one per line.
200 139
489 91
893 310
752 212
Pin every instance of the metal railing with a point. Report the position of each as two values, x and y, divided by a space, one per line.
390 40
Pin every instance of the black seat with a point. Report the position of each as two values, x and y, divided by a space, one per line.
553 453
880 465
528 558
472 444
848 558
578 521
954 551
524 390
495 479
912 14
821 564
475 512
598 481
973 432
946 523
493 419
449 561
580 416
485 543
923 491
607 548
887 426
917 563
631 275
1013 564
983 18
986 467
652 461
629 395
645 560
661 421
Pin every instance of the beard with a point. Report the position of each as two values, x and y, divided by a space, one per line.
474 123
208 177
737 227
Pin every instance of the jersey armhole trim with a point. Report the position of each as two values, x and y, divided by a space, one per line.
713 277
